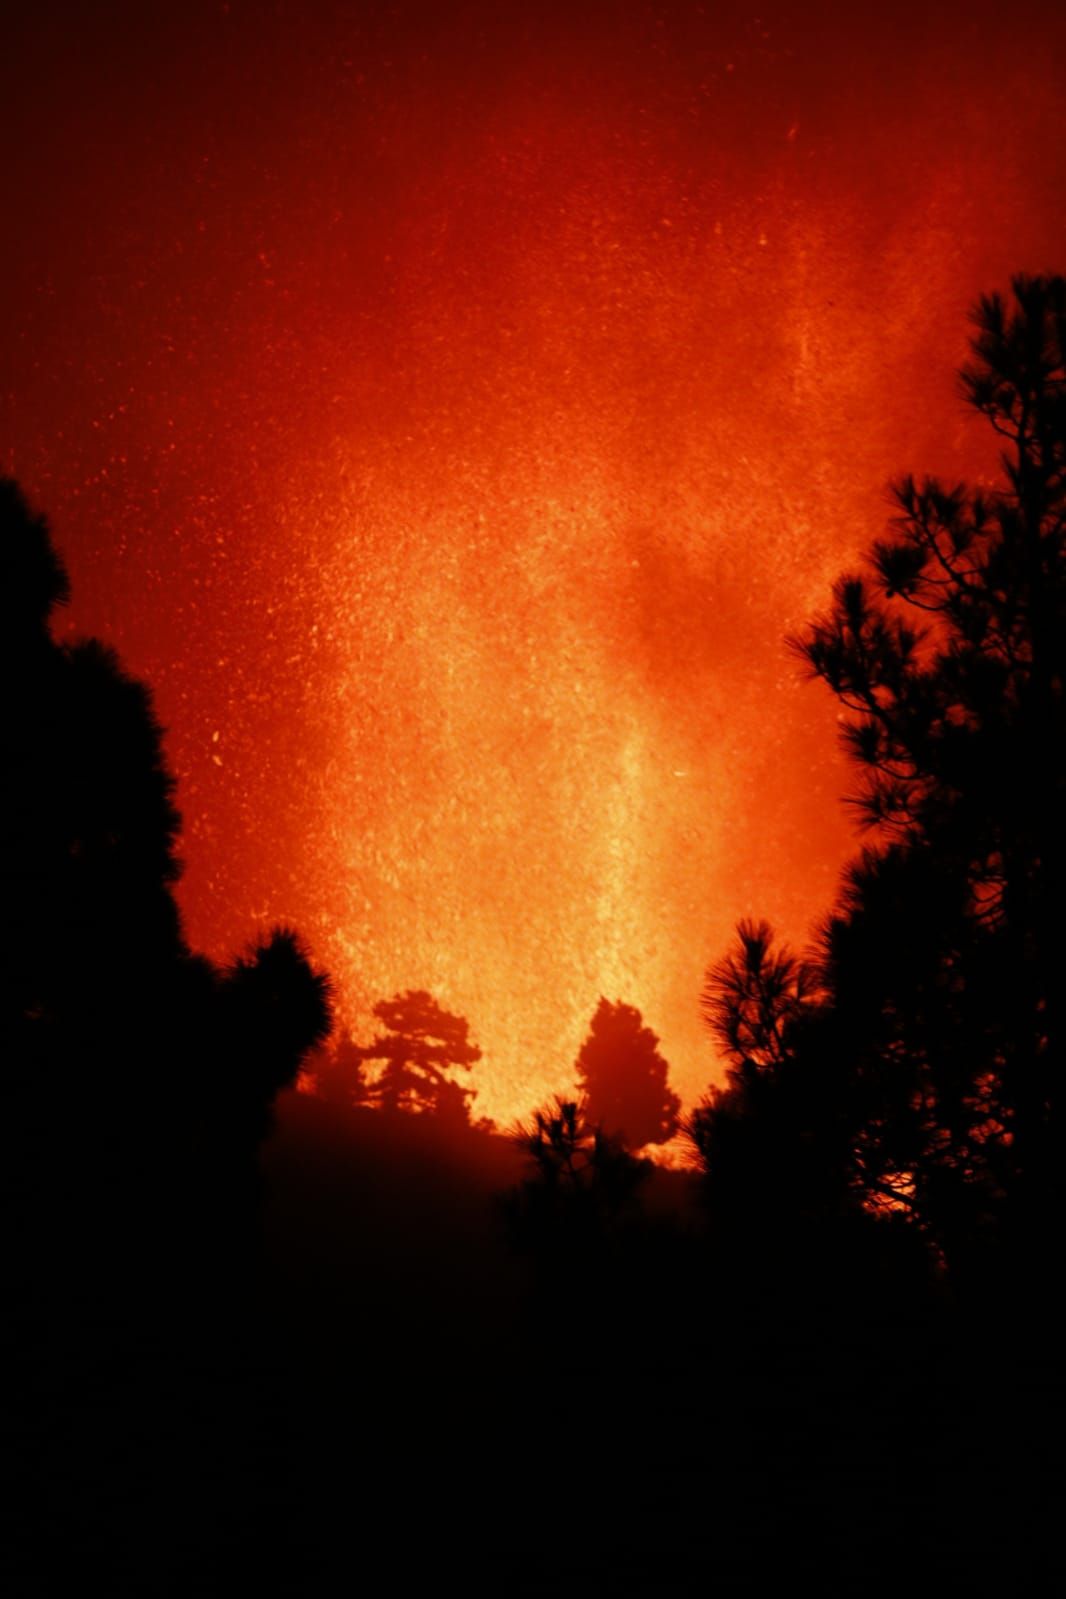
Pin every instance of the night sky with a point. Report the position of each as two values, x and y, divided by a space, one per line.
449 409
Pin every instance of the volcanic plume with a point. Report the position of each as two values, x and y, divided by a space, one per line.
450 412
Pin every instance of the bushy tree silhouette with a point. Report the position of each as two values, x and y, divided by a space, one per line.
421 1046
137 1079
932 1013
622 1079
127 1058
275 1008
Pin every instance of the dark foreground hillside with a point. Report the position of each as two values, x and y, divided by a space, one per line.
462 1417
401 1404
439 1436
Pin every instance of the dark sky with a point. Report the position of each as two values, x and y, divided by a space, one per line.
448 409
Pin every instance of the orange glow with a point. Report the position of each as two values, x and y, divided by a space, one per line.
450 423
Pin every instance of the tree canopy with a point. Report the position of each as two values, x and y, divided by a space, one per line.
927 1026
581 1193
136 1081
623 1079
421 1047
127 1056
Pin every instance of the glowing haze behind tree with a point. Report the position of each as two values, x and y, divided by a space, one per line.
449 411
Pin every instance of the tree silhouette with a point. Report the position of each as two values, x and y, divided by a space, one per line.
126 1055
136 1081
755 994
340 1073
934 1005
622 1078
274 1009
582 1188
422 1044
775 1138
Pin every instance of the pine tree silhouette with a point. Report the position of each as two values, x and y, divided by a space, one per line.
926 1033
421 1045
